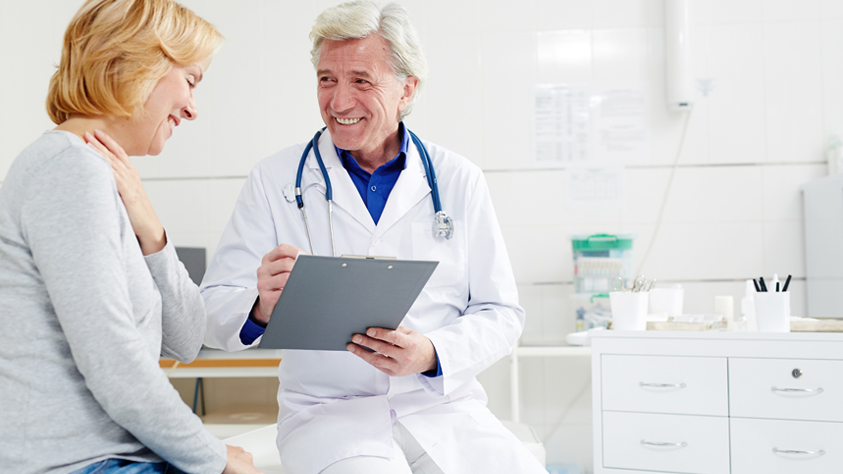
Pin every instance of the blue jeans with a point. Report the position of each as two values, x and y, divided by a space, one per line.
121 466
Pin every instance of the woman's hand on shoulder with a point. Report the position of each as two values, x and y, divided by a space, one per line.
145 222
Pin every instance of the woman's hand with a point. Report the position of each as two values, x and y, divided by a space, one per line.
239 462
147 227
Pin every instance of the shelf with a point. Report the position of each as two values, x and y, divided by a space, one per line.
552 351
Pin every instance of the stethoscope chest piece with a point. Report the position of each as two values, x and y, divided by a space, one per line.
444 225
290 192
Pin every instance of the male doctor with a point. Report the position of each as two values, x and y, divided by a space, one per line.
413 405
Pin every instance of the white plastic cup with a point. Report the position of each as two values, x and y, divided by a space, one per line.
772 311
666 300
629 310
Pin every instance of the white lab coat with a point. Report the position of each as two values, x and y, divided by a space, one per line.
332 404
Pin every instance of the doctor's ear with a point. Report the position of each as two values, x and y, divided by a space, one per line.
410 84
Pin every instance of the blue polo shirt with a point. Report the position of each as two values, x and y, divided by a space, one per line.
374 189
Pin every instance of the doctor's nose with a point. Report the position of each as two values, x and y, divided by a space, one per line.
342 99
189 111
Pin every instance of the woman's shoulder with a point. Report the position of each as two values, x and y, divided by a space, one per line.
59 153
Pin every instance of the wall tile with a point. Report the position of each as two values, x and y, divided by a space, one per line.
737 104
792 89
726 11
644 194
781 189
784 249
627 13
699 251
831 10
791 10
452 91
715 194
515 195
832 71
510 58
564 57
536 253
181 205
505 15
563 14
620 57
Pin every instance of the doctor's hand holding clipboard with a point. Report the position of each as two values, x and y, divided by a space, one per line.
397 352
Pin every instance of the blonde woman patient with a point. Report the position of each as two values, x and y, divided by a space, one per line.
91 290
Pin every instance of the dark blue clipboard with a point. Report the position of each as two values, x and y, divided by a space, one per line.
328 299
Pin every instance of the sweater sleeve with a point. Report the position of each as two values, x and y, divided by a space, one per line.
72 222
183 311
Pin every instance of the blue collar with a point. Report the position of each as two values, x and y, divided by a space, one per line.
348 161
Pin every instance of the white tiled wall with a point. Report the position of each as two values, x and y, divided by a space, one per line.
733 211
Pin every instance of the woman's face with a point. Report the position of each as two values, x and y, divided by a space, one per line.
170 102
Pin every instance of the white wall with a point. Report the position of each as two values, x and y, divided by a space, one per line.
734 210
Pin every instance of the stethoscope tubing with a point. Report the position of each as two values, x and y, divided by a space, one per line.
329 195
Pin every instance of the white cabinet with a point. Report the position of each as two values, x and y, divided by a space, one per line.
717 403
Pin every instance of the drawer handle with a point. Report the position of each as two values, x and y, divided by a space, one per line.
661 385
797 390
662 444
794 451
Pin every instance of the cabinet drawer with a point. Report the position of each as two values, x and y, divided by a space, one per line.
671 443
800 446
681 385
766 388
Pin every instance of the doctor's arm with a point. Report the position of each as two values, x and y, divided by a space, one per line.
492 321
247 272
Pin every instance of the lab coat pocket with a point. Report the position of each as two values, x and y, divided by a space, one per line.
452 270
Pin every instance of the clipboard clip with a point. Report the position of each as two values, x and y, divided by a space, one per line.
370 257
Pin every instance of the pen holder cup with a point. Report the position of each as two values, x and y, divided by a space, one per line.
629 310
772 311
666 300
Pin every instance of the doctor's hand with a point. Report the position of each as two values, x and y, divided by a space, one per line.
272 277
145 223
397 353
239 462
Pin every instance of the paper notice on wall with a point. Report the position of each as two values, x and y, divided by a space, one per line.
621 125
560 124
594 188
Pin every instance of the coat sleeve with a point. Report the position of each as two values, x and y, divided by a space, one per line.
229 287
72 222
183 311
492 320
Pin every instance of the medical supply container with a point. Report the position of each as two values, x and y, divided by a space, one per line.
599 259
592 311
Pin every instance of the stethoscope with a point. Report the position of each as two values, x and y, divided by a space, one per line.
443 225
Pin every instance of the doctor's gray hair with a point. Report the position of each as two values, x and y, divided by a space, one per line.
361 18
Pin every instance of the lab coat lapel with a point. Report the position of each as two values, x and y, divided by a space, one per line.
346 196
410 188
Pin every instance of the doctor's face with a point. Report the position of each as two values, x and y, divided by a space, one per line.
359 95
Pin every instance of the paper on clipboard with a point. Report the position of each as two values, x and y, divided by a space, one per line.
328 299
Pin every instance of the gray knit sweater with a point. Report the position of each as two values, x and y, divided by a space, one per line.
84 317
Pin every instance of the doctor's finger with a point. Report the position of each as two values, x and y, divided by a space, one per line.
376 345
272 283
282 251
381 362
276 267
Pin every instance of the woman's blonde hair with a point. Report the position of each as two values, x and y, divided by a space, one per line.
116 51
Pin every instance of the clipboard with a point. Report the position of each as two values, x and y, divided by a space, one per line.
329 299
